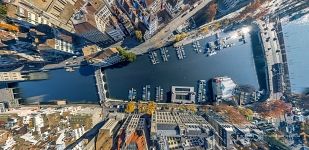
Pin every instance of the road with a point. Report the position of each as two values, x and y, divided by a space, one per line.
159 39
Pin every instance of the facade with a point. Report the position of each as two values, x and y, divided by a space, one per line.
223 88
57 45
173 6
8 96
106 138
11 76
114 30
224 130
183 94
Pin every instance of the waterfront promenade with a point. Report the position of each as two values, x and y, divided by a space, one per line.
272 52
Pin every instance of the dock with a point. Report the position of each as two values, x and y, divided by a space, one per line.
197 47
164 54
159 94
132 94
153 57
201 94
180 52
146 93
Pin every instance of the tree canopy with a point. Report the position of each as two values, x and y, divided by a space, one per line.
127 56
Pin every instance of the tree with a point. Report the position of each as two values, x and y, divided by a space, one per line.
130 107
248 113
205 29
273 108
211 11
181 36
151 107
3 9
139 35
126 56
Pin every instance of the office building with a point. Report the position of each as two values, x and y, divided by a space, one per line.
183 94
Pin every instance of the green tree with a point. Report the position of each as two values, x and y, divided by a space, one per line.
126 56
3 9
139 35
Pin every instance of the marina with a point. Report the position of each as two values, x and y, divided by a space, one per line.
237 57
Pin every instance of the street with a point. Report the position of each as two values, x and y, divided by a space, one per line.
164 33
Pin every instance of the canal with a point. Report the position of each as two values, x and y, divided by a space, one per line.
236 62
75 87
296 35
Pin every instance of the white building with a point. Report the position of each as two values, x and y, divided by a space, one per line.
223 88
38 122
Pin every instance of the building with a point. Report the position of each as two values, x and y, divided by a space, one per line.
103 58
173 6
222 88
113 29
87 117
59 44
106 138
152 26
9 95
91 26
51 12
223 129
133 133
183 94
102 18
179 130
11 76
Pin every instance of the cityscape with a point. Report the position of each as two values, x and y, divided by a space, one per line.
154 75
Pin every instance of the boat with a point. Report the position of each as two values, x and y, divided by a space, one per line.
211 53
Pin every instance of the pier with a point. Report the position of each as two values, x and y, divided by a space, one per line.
201 94
146 93
180 52
153 57
159 94
164 54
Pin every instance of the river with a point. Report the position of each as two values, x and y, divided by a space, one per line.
76 87
236 62
296 35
